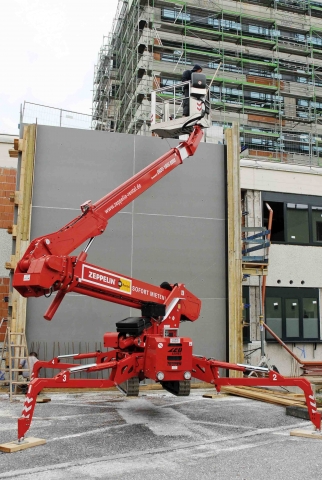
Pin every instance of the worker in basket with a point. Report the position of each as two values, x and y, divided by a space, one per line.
186 76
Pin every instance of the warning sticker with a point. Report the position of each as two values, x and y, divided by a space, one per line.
105 279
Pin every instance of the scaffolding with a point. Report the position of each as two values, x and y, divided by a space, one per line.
105 78
269 54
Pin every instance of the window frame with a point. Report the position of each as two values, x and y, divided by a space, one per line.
285 198
286 293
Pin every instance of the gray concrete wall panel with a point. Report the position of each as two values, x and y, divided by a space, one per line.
209 331
5 251
173 232
73 166
194 189
180 249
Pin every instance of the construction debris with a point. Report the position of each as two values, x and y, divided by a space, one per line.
41 399
295 404
277 397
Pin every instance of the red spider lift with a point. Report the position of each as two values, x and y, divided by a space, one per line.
147 346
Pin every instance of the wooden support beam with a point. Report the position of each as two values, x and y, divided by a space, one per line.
235 333
30 442
263 397
307 433
253 269
23 201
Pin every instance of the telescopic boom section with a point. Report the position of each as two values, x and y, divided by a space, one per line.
46 266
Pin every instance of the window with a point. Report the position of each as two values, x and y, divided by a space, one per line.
257 30
293 314
177 57
292 36
225 25
297 219
213 21
317 223
309 103
213 65
173 14
278 234
230 25
274 315
166 82
310 318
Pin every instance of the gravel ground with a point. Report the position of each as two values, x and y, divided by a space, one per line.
158 436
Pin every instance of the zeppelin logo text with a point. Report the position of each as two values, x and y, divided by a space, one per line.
103 278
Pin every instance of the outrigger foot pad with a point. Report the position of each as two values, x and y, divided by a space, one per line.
17 445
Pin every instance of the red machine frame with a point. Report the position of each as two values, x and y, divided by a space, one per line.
154 350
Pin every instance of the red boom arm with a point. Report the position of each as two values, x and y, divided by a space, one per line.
46 265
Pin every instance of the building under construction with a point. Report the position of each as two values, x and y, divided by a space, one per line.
268 54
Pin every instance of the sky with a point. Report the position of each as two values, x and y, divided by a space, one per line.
48 52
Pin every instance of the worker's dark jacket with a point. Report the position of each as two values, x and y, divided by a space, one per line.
185 77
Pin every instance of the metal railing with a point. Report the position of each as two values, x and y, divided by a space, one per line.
166 102
56 117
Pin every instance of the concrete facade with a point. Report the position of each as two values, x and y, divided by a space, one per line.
290 266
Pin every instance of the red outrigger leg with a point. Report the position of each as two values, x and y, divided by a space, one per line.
132 364
208 371
120 371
